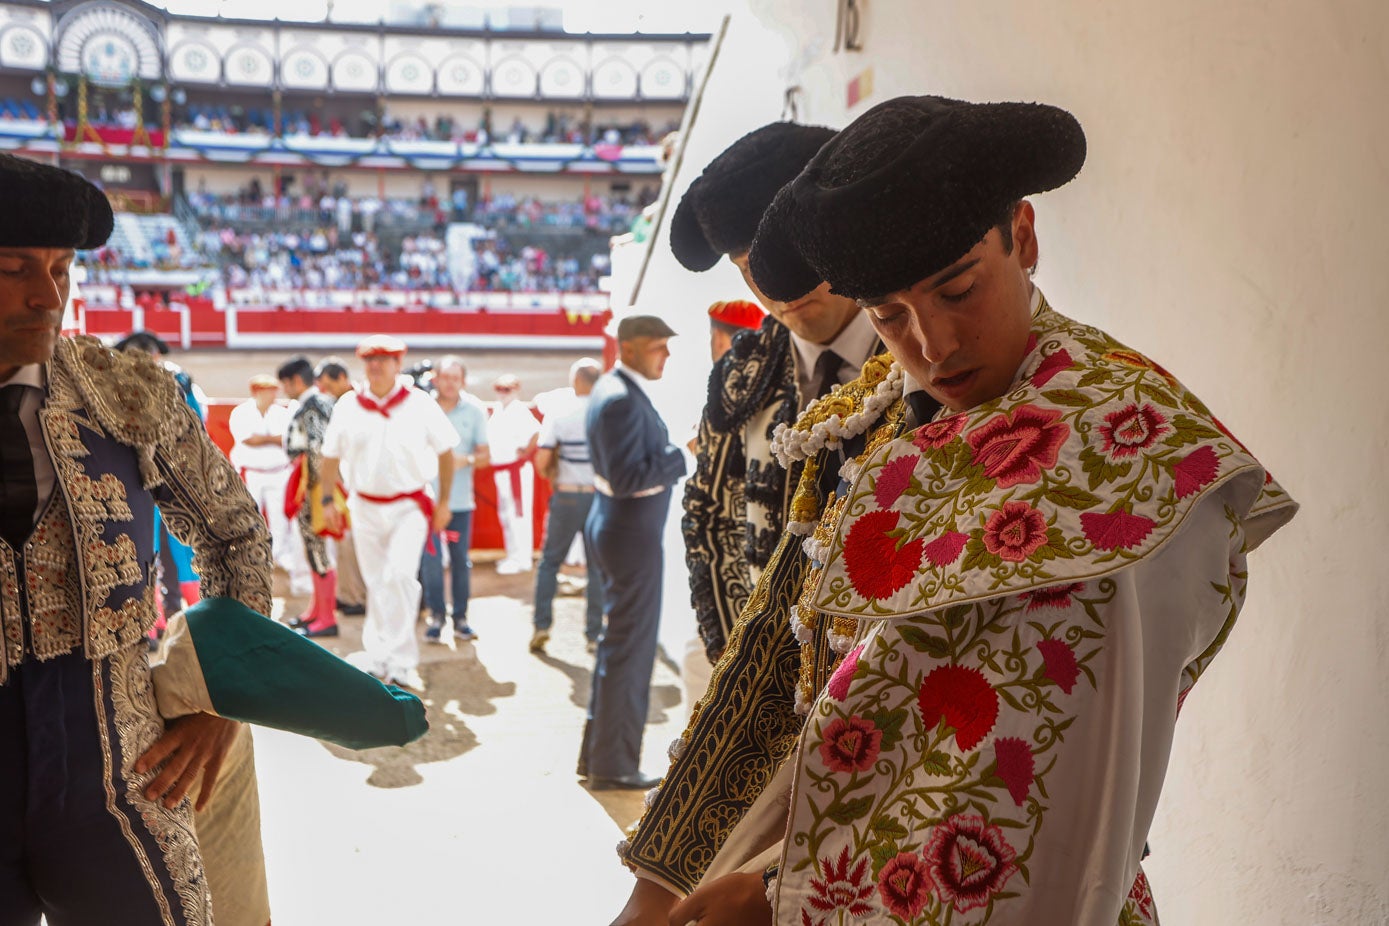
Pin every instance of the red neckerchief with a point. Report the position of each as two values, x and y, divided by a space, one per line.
382 406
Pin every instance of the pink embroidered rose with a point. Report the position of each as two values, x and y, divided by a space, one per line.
969 861
937 434
1015 447
963 698
1195 471
877 566
1048 368
844 674
905 885
842 887
1116 530
850 744
946 548
1132 429
1060 664
893 480
1015 531
1058 596
1014 763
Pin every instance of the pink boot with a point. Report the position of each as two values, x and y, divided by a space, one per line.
191 592
322 618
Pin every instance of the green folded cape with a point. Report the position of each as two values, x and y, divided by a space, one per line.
220 657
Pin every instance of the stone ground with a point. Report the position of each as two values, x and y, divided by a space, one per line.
482 820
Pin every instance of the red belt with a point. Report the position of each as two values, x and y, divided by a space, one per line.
514 469
419 497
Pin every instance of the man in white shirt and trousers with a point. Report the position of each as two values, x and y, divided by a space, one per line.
512 432
258 427
388 444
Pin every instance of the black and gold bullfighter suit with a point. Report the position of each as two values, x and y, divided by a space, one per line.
735 503
77 706
747 725
304 445
304 442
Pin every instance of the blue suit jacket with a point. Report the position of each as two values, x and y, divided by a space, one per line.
627 440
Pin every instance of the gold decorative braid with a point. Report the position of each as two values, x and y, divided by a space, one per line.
746 725
137 726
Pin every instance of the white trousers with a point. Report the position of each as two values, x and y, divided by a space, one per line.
517 535
286 544
389 539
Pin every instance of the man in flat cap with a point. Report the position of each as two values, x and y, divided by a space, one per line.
96 821
736 507
634 465
388 443
1030 581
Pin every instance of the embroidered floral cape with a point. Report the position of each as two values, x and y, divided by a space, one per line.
1039 583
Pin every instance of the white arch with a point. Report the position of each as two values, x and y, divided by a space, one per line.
122 28
17 58
523 87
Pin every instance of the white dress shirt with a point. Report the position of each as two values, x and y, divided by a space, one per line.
44 475
853 344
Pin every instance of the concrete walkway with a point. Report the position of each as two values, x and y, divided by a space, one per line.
483 820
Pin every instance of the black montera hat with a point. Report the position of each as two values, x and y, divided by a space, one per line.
48 207
719 213
906 190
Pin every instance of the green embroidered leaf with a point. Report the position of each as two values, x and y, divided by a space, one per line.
977 556
1093 378
1158 395
881 853
1100 469
1072 497
937 763
890 722
976 483
889 828
955 615
846 812
933 646
1071 397
1194 429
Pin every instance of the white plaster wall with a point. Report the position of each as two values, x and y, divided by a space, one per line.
1230 221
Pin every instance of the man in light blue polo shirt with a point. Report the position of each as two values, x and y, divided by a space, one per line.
469 419
564 440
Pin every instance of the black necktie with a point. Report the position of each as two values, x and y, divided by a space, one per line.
19 492
923 407
826 375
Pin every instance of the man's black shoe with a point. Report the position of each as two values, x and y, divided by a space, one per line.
351 610
634 782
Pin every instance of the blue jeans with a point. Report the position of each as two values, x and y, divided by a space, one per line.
568 512
460 570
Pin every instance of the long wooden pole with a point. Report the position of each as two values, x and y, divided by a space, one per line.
686 125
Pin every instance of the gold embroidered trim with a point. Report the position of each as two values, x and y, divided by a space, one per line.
13 621
137 726
51 582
